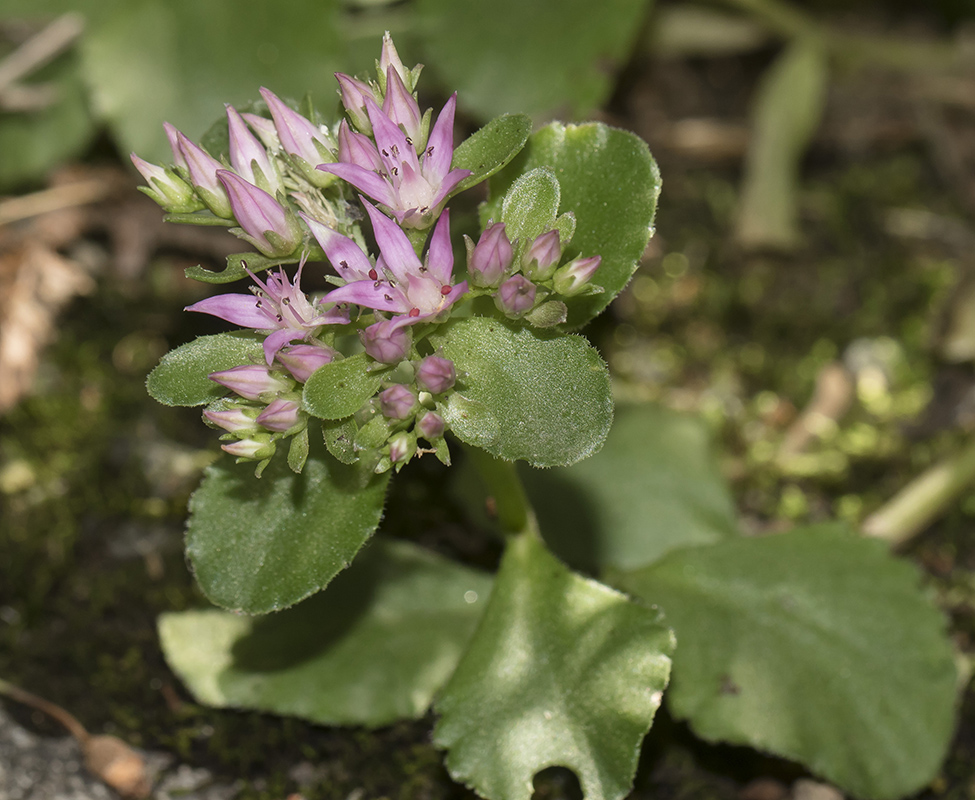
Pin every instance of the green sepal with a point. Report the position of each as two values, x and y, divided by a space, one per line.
298 451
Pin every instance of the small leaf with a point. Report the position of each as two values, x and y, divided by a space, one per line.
181 377
562 671
340 439
610 182
815 645
526 394
530 206
339 389
328 659
652 488
298 451
262 545
491 148
238 266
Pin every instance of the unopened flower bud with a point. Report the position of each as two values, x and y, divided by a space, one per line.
574 276
202 169
301 360
542 257
516 296
280 415
249 157
354 93
490 258
265 130
234 419
397 402
173 135
357 148
401 107
430 426
301 139
166 188
269 226
385 342
390 58
402 447
251 381
435 374
256 448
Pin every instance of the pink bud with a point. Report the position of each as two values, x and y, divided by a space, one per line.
435 374
402 447
354 93
270 227
491 257
203 168
430 426
397 402
234 419
248 156
542 256
302 360
573 277
251 381
385 342
280 415
516 297
256 448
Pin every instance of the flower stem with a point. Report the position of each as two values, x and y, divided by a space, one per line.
923 499
75 728
505 489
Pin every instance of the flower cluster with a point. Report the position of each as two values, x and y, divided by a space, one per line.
285 186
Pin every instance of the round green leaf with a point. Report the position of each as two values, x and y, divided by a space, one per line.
525 394
328 659
815 645
491 148
531 205
339 389
562 671
182 376
652 488
610 182
260 545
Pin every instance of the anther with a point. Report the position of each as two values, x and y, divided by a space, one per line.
373 275
414 312
445 290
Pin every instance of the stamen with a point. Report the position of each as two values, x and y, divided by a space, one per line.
388 298
414 312
445 290
373 275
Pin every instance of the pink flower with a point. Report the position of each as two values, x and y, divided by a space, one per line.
413 189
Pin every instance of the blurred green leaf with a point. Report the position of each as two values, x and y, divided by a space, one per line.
525 394
816 645
262 544
654 487
787 111
182 375
545 58
33 142
328 659
562 671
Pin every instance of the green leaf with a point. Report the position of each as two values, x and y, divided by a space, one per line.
33 142
237 267
328 659
610 182
815 645
562 671
181 377
547 59
652 488
339 389
491 148
260 545
340 439
530 207
788 109
526 394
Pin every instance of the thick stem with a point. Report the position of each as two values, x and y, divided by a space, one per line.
504 487
923 499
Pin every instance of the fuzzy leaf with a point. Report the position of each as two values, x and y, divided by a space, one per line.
339 389
328 659
181 377
652 488
610 182
260 545
526 394
530 207
562 671
815 645
491 148
238 266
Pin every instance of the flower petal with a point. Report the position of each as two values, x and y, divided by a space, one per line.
365 180
440 146
279 339
398 253
345 255
440 255
371 294
240 309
